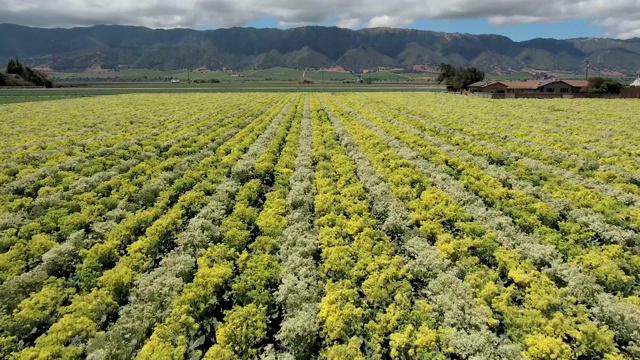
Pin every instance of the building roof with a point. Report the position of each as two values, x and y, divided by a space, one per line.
522 85
530 84
482 83
547 82
575 83
511 84
636 83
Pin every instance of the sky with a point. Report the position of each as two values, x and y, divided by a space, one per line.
517 19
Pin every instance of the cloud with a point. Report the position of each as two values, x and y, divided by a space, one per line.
618 18
622 28
349 23
389 21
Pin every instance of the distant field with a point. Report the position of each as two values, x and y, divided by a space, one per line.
513 76
275 74
527 76
9 96
319 225
130 81
128 74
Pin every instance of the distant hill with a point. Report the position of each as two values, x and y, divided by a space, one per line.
114 46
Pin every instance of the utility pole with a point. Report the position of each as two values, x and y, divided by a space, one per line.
586 76
188 76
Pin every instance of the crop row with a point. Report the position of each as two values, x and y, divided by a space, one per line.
105 272
489 261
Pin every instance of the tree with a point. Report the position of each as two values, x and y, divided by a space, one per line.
458 78
2 81
15 67
447 72
598 85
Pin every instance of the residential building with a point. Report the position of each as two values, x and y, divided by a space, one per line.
551 86
563 86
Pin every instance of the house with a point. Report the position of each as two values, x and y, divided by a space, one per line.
506 86
636 83
487 86
563 86
550 86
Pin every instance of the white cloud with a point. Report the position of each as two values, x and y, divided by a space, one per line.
349 23
389 21
516 19
622 28
619 18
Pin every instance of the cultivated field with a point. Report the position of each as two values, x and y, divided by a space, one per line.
331 225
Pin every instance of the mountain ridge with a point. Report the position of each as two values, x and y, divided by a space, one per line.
126 46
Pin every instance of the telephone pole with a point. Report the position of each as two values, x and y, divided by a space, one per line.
586 76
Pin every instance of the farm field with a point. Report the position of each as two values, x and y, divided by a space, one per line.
297 225
260 76
11 96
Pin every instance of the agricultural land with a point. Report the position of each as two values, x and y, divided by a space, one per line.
318 224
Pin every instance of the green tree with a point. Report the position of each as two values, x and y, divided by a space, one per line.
599 85
2 81
15 67
458 78
446 72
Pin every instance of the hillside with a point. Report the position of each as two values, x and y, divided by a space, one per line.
115 46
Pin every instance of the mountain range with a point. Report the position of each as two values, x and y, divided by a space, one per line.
115 46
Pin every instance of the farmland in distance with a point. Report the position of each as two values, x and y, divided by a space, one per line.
350 225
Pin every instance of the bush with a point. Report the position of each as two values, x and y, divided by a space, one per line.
38 78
